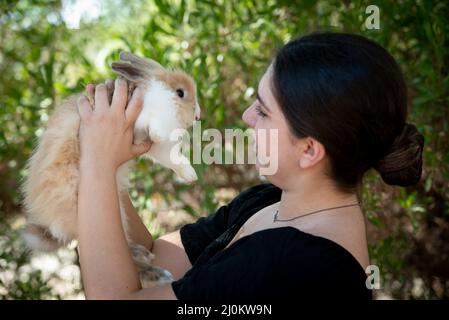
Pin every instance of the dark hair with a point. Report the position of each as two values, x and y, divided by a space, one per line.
348 92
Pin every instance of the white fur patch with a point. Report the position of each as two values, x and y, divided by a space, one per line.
158 117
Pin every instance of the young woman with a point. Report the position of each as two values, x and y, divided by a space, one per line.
339 103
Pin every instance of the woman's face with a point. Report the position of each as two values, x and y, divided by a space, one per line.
264 116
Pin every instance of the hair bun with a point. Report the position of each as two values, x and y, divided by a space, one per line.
402 165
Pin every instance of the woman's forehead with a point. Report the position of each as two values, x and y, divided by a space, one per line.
265 90
266 78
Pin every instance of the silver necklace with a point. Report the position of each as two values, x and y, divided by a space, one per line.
275 218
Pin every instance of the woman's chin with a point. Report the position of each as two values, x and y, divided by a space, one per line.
262 172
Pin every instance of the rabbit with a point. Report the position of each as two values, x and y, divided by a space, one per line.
51 187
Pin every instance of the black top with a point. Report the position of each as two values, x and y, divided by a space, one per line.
278 263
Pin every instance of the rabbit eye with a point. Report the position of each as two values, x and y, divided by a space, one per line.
180 93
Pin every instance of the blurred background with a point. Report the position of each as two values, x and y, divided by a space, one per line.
51 49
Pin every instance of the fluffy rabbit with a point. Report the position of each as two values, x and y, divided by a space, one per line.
50 190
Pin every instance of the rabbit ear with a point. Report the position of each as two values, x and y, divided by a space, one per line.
151 67
129 71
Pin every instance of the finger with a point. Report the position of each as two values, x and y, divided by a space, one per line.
84 107
101 98
131 88
120 96
90 93
134 106
109 84
90 88
139 149
110 87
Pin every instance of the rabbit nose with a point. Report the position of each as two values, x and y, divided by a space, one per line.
197 112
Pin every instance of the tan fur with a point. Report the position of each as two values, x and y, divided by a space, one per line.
52 185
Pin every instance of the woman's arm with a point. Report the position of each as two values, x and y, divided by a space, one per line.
168 249
169 253
137 230
107 268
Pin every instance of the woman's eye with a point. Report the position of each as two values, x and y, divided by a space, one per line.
260 112
180 93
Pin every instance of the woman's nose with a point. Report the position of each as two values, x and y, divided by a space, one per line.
249 116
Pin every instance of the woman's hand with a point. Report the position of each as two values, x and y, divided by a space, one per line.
106 130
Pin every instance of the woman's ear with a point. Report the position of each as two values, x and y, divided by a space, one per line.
311 152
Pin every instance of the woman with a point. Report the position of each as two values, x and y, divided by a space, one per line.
339 103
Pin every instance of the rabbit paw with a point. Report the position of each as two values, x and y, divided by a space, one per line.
186 173
142 256
152 276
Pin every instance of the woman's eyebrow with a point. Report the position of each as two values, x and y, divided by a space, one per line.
261 101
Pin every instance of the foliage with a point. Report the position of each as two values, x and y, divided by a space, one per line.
226 46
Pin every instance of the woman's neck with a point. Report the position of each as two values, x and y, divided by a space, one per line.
303 199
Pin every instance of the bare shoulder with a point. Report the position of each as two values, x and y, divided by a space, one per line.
348 231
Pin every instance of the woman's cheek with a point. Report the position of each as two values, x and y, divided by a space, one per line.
266 143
